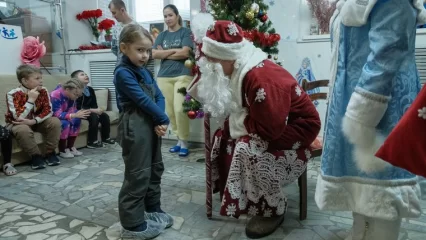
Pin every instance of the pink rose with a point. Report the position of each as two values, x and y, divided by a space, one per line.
32 51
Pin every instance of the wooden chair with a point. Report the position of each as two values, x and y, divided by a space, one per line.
303 179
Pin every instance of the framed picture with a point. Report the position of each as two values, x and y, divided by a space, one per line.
155 29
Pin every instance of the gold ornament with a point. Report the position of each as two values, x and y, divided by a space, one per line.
250 15
276 58
189 64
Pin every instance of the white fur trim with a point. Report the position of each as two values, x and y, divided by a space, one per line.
335 26
223 51
384 199
421 17
366 143
356 12
199 25
363 114
251 57
366 107
236 124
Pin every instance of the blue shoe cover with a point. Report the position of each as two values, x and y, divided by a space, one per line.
153 230
160 218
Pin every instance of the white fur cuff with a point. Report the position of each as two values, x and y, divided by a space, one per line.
367 108
366 143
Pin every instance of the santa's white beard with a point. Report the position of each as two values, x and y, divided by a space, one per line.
214 91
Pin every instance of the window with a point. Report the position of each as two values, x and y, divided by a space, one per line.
184 8
149 11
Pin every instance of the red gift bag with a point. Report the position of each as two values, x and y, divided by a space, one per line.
406 145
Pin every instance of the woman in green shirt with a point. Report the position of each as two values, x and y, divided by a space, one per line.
173 47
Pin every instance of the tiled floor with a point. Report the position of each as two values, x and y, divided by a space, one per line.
78 200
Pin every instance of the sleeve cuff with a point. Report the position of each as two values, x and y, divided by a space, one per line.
367 108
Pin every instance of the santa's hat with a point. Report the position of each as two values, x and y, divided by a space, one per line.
405 146
224 40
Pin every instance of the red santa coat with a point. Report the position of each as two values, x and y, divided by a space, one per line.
266 145
405 145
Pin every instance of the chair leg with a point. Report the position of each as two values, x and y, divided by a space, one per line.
303 194
207 146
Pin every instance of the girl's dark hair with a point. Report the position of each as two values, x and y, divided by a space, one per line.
175 11
132 33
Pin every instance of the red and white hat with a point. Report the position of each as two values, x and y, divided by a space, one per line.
405 146
224 40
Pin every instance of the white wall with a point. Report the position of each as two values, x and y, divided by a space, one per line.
77 32
291 19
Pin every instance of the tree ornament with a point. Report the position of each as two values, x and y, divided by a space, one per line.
260 14
269 56
189 64
276 58
250 15
264 18
192 114
254 7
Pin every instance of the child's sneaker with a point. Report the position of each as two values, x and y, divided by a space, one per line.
75 152
66 154
95 144
109 141
52 160
37 162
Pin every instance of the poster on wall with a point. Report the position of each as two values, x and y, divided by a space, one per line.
305 72
11 41
155 29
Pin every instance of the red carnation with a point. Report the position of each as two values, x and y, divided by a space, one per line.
91 16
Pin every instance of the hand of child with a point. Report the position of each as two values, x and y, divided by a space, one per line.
24 121
33 94
160 131
99 111
83 114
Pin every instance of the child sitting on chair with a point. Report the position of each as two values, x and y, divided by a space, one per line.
65 108
97 115
28 111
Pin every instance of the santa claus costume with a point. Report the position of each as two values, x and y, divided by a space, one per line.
270 124
374 81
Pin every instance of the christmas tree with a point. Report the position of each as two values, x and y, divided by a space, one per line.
252 16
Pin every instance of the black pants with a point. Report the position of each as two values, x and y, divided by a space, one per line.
6 149
94 120
143 167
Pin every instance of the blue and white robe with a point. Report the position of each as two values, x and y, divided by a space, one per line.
374 80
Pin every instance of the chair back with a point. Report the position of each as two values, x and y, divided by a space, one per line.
306 86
